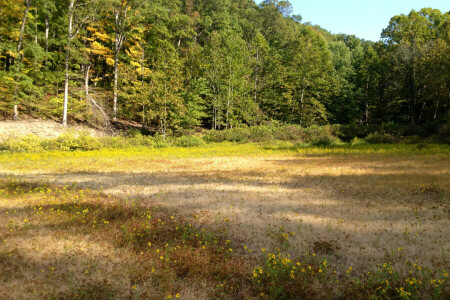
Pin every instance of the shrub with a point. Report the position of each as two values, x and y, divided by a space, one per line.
292 133
239 135
321 136
71 142
189 141
116 142
214 136
380 138
414 130
160 141
413 139
29 143
444 134
356 141
261 134
140 140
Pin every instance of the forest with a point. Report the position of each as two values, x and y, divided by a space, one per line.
174 65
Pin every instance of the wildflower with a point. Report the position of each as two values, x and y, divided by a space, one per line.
177 295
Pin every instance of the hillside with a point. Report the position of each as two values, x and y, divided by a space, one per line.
41 128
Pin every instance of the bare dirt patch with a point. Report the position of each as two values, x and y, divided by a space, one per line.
44 129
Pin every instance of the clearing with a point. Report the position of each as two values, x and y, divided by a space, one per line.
355 206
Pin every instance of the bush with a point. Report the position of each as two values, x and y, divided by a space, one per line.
412 139
189 141
160 141
381 138
414 130
292 133
29 143
261 134
351 131
239 135
214 136
321 136
70 142
116 142
356 141
444 133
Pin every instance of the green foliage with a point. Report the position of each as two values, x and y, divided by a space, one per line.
444 133
188 141
223 65
29 143
381 138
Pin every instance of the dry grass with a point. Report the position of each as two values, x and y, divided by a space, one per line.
353 210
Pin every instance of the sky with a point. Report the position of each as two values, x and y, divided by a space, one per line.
363 18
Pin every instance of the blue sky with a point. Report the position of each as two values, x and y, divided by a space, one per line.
363 18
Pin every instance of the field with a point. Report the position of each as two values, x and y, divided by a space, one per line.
227 221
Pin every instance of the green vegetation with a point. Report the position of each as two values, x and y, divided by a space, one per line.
290 136
172 66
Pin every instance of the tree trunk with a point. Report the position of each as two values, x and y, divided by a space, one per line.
120 17
165 111
16 112
36 26
228 105
435 110
142 84
256 76
66 77
302 97
22 26
19 56
47 29
116 80
87 68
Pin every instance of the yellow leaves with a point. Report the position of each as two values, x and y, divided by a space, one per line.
103 37
12 54
9 78
109 61
99 49
135 64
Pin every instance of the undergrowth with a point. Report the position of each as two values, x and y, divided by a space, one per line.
296 136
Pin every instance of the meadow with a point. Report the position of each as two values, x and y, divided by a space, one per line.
226 221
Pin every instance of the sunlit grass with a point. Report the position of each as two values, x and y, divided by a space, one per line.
107 159
343 221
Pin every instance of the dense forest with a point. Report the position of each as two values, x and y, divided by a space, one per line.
217 64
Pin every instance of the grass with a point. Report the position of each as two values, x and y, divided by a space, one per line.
230 221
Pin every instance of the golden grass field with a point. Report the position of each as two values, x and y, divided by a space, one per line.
372 221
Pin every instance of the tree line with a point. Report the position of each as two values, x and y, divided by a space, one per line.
218 64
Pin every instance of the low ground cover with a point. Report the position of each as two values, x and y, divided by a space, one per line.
226 221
